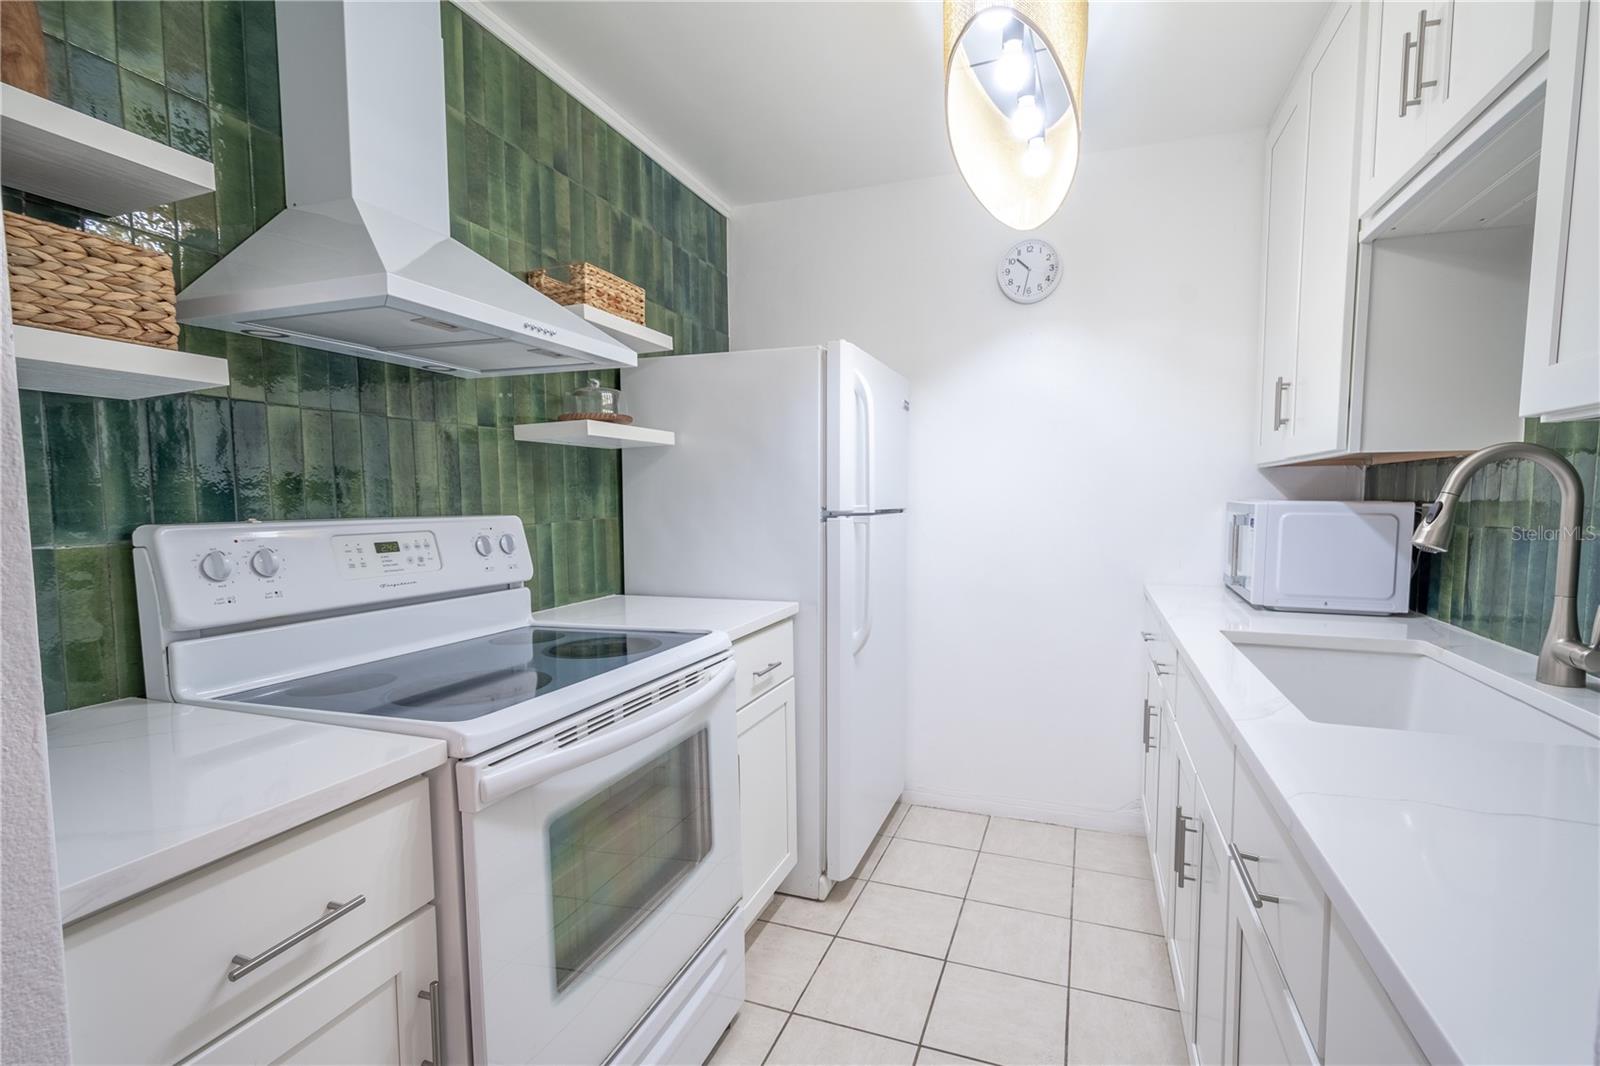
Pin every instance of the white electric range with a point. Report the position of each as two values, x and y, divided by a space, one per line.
585 829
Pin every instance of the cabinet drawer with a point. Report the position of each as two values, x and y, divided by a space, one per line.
1209 747
763 661
1163 654
1295 919
367 1008
767 809
147 981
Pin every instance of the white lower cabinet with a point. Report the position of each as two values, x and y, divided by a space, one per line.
160 976
373 1008
767 817
768 807
1150 736
1263 970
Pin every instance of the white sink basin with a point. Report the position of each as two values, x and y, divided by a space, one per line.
1407 685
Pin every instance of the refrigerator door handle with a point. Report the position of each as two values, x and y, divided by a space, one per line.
827 514
864 431
861 631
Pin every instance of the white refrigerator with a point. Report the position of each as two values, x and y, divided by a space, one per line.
788 482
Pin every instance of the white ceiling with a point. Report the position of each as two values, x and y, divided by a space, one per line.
772 100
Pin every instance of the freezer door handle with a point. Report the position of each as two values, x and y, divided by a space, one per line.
827 514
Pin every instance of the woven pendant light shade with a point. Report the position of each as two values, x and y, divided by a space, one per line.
978 116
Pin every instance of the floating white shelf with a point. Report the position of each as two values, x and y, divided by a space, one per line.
588 433
54 151
51 361
642 339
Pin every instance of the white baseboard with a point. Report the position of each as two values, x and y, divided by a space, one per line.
1128 820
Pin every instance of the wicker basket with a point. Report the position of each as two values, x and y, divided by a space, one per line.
76 282
588 284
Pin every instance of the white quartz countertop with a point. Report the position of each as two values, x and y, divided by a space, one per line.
144 791
1467 869
736 618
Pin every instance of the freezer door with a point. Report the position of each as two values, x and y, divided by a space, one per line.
869 414
866 682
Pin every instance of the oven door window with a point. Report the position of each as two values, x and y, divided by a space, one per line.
615 856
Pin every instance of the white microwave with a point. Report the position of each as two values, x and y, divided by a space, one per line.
1300 555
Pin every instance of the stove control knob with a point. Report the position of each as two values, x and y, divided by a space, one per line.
483 545
216 566
266 563
508 543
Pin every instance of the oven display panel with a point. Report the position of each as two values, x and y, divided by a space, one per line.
364 556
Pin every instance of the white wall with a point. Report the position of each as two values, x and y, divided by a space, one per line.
1063 454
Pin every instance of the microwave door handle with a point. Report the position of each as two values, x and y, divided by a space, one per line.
1233 548
497 781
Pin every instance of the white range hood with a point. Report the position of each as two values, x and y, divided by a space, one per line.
361 261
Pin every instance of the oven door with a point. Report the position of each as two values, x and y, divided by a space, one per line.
599 855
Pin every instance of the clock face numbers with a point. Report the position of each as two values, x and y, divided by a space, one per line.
1029 271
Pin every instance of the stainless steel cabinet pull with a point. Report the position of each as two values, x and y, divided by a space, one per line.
767 669
1239 859
1180 846
243 965
1406 103
1423 25
1148 712
1148 638
1163 670
435 1029
1279 420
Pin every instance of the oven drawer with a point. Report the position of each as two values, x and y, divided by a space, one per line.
765 660
148 980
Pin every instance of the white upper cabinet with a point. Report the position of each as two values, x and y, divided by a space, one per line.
1561 368
1310 256
1431 69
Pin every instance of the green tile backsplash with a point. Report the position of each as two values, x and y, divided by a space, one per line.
1496 578
535 179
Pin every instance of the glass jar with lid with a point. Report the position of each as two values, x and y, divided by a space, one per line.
595 401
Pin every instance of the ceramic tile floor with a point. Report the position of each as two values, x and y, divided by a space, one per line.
965 938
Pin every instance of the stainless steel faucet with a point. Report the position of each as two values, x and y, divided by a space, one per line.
1564 659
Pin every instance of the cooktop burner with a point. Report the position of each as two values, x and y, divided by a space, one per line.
470 678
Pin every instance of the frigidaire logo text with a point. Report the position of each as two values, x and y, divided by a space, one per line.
534 327
395 584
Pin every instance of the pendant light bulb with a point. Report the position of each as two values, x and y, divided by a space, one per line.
1027 121
1012 70
1036 157
996 18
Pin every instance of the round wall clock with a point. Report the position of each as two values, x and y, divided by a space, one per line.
1029 271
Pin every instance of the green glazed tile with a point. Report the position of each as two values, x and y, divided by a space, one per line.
183 36
36 466
92 26
373 376
197 222
422 394
472 69
139 47
144 107
316 444
397 397
125 621
247 372
53 17
52 664
172 460
252 469
488 471
286 458
211 423
314 384
225 61
266 172
426 460
261 66
230 152
88 636
125 466
280 372
96 88
72 432
349 495
506 462
450 17
471 468
375 465
544 566
344 382
450 469
58 70
189 130
402 467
